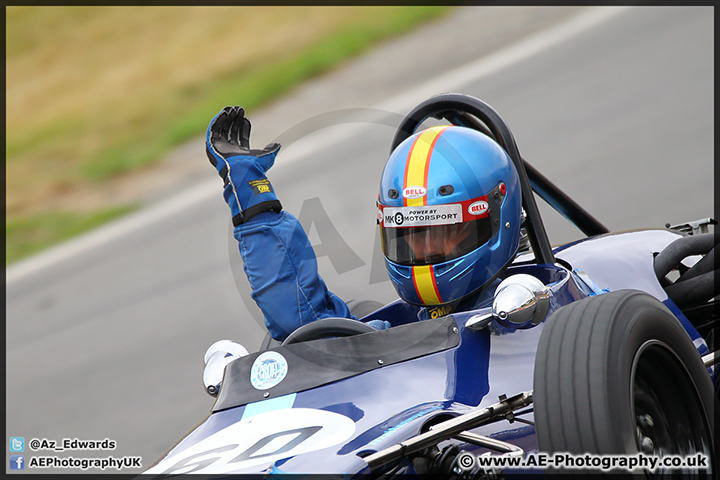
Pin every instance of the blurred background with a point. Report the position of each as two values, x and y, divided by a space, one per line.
106 107
96 95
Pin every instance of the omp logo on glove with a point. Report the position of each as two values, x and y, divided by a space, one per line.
260 186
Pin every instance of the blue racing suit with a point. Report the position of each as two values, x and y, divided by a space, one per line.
282 270
278 259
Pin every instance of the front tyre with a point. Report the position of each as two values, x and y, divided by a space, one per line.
618 374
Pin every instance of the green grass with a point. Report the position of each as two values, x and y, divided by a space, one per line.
253 87
32 234
65 147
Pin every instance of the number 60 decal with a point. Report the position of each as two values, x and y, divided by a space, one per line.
259 441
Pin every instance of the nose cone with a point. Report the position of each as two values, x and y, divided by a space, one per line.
515 303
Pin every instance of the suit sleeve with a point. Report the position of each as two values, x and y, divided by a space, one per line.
281 266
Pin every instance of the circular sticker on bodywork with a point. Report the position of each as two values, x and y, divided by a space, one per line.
268 370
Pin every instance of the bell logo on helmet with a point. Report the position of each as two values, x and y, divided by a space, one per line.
478 208
415 192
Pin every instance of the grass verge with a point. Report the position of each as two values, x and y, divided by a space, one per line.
31 234
77 142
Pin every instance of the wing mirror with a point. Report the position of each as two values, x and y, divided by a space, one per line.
521 301
217 356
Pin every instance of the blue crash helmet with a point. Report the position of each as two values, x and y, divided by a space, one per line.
449 214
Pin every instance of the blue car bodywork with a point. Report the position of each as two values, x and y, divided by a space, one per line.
340 401
393 402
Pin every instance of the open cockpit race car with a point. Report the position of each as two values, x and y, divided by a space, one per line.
598 354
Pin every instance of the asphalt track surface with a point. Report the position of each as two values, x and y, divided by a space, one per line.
105 337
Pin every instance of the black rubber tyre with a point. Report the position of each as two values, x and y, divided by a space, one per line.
618 374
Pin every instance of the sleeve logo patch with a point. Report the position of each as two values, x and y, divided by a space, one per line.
268 370
261 186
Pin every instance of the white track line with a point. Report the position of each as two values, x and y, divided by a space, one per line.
449 81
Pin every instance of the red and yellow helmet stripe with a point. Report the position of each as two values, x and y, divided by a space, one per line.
418 163
424 280
416 175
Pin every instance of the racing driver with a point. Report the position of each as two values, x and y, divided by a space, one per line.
449 216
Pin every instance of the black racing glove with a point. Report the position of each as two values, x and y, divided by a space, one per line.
247 189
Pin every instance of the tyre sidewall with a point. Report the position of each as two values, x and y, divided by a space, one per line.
585 365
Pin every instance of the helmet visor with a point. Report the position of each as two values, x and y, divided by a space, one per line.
426 245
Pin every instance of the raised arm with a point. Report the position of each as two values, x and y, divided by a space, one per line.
278 259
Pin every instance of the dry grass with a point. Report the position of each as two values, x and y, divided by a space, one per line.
93 93
73 62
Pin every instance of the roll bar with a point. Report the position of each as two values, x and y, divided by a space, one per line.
460 109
